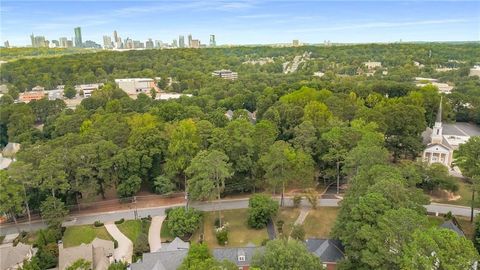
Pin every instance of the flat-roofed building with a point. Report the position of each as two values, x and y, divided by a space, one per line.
135 86
475 71
31 95
225 74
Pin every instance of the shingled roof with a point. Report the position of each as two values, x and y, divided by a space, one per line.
328 250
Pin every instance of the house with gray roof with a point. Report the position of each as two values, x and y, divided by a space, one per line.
99 253
169 257
449 224
240 256
329 251
12 257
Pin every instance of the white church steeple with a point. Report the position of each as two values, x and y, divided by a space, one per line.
437 136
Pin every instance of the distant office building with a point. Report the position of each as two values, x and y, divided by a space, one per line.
78 37
69 43
6 44
149 44
195 44
158 44
63 42
87 89
39 41
225 74
55 43
174 43
181 41
115 36
296 43
138 45
107 42
190 40
31 95
213 43
128 43
32 39
134 86
92 44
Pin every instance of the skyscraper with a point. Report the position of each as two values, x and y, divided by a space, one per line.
6 44
190 40
181 41
63 42
213 43
78 37
115 36
32 38
174 43
149 44
107 42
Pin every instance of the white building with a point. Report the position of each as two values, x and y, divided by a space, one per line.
475 71
443 139
135 86
373 65
167 96
87 89
225 74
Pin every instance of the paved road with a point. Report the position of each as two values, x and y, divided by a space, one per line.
204 206
154 233
124 251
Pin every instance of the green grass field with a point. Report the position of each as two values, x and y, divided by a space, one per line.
165 234
131 229
76 235
320 221
288 215
239 233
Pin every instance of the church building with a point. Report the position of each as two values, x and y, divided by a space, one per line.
443 139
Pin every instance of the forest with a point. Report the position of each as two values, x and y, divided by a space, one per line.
345 127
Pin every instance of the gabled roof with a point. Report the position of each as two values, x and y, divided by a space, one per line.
444 146
176 244
451 226
12 255
328 250
232 254
162 260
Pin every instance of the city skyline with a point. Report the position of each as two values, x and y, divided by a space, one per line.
244 21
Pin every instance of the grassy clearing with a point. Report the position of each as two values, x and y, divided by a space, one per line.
320 221
239 233
131 229
288 215
76 235
465 192
165 234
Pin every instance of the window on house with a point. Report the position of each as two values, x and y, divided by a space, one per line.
241 258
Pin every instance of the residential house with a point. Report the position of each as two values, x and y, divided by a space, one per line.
225 74
12 257
329 251
169 257
99 253
449 224
240 256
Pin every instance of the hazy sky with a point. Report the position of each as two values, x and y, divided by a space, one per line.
244 21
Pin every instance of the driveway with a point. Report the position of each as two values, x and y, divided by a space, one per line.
124 251
154 233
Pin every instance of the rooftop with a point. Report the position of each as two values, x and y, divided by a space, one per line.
328 250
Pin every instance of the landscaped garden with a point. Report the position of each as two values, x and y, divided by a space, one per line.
76 235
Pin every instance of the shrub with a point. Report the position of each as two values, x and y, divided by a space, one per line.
141 245
182 223
222 235
217 222
120 221
261 209
298 232
280 225
98 224
312 197
264 242
297 200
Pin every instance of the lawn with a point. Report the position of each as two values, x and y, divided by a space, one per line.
133 228
320 221
465 192
239 233
288 215
165 234
76 235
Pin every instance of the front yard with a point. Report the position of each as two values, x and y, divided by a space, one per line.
320 222
76 235
239 234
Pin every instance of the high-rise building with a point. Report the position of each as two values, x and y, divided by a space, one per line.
295 43
158 44
174 43
128 43
69 43
149 44
78 37
55 43
213 43
115 36
32 38
107 42
39 41
92 44
6 44
190 40
181 41
63 42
